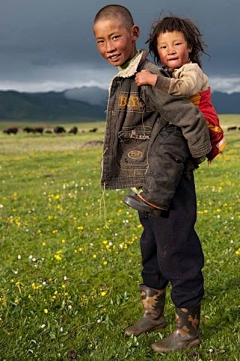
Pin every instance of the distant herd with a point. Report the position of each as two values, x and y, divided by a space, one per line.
61 130
41 130
233 128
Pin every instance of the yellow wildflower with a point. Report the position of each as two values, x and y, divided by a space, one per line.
57 257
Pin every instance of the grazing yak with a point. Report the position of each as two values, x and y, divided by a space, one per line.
12 130
59 130
33 130
232 128
73 130
93 130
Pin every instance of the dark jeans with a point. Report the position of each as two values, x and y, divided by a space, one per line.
171 249
168 154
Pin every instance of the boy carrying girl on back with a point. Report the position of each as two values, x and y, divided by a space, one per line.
171 250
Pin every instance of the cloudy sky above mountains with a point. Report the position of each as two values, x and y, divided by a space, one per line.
49 44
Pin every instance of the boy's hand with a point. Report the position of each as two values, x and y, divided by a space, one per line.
191 165
200 160
144 77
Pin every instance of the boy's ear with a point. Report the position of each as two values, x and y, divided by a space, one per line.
135 32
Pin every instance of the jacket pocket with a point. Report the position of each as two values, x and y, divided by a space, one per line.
132 153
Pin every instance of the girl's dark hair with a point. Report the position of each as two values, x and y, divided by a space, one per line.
190 31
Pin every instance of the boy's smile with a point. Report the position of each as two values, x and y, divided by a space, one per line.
115 42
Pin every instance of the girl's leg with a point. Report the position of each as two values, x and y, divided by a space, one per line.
167 158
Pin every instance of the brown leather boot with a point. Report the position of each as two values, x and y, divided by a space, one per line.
153 305
185 334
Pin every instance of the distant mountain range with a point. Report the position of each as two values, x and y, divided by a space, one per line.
79 104
67 106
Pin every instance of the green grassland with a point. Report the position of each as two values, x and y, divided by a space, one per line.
70 257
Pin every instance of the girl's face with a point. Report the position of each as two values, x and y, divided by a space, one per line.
173 49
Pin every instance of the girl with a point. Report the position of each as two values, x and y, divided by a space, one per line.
175 43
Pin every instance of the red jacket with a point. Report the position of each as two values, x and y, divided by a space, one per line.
203 101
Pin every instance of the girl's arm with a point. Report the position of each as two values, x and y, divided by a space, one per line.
145 77
186 81
184 114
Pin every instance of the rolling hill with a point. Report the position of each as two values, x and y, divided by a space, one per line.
48 106
79 104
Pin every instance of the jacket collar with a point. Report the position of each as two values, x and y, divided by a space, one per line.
133 65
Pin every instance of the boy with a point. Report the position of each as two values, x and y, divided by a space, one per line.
171 250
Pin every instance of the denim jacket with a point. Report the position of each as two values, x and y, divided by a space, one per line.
135 115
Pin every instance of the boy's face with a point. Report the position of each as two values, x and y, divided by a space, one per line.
115 42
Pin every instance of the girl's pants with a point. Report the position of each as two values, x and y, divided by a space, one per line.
167 159
171 250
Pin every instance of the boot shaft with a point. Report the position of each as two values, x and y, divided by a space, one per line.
153 301
185 334
187 320
153 306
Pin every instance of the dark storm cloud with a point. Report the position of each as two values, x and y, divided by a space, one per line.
50 44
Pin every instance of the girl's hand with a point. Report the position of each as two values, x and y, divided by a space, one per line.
144 77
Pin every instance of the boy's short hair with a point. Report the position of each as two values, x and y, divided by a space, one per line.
115 11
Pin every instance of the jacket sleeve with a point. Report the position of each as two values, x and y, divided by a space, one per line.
186 81
182 113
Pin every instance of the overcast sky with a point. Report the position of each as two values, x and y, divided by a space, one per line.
49 44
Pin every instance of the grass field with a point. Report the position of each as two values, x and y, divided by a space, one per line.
70 258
